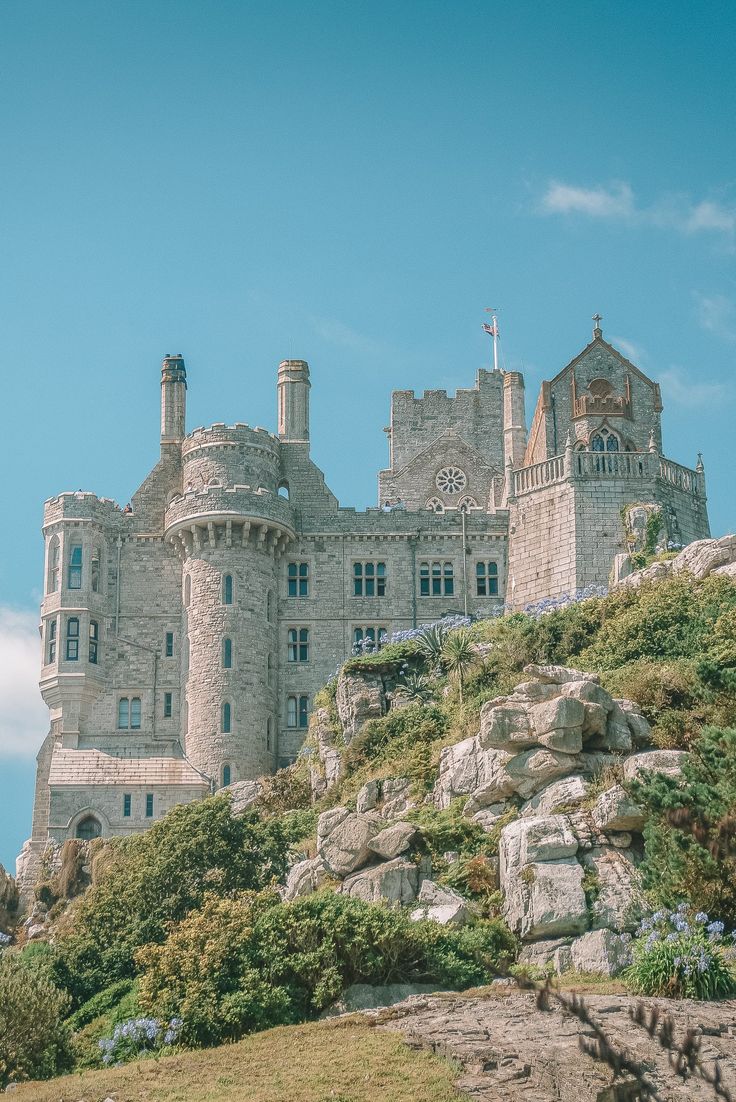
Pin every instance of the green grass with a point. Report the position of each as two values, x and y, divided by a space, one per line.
342 1061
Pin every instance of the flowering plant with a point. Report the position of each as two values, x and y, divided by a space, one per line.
682 956
5 939
138 1037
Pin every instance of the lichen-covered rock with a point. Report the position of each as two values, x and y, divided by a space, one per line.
615 810
243 794
566 793
389 797
330 769
304 878
553 715
701 558
441 905
368 797
542 839
360 697
489 816
617 902
554 951
668 762
641 732
8 892
546 899
396 881
558 675
467 768
393 840
601 951
343 837
505 727
532 770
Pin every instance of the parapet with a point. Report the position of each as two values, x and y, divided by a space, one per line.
237 434
81 505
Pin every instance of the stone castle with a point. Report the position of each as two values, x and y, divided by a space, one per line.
184 636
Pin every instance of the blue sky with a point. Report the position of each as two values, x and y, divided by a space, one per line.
348 183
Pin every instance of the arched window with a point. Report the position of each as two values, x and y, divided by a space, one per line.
226 774
52 583
284 489
604 441
123 713
135 713
74 579
435 505
227 718
88 827
129 713
187 590
467 503
227 654
227 589
94 570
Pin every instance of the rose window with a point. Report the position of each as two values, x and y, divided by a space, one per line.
451 480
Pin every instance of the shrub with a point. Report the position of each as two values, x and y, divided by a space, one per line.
251 962
138 1037
404 739
100 1003
35 1042
680 957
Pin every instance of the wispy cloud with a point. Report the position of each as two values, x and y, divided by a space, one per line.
633 352
343 336
616 201
24 718
689 388
717 314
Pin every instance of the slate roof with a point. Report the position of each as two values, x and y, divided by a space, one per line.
82 767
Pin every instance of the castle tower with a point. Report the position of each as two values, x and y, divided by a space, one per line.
514 418
173 399
293 401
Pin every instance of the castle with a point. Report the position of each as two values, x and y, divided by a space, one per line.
184 637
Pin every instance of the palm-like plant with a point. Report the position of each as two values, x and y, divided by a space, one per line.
416 688
431 643
459 653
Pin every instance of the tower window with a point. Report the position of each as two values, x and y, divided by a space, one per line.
52 583
51 640
436 579
298 645
486 579
129 713
369 579
74 580
126 805
94 641
149 805
297 711
227 589
169 648
168 705
226 775
94 570
227 654
297 579
604 441
135 713
227 716
72 639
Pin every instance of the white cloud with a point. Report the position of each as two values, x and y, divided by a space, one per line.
24 718
343 336
633 352
617 201
687 388
717 314
711 216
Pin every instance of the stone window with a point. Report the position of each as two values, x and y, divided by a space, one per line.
297 579
369 579
435 505
89 827
169 644
227 589
168 705
227 718
298 645
486 579
126 805
72 639
52 583
369 638
436 579
149 805
94 570
74 577
604 441
269 606
129 713
94 641
187 590
51 640
226 775
466 504
451 480
227 654
269 669
297 711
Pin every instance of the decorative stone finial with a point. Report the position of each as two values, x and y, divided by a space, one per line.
597 331
568 440
699 465
652 442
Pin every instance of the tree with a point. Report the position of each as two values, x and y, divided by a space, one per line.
459 654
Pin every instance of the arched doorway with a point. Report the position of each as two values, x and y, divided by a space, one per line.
88 827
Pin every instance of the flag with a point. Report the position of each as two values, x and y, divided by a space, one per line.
491 330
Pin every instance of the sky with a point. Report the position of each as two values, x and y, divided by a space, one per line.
351 184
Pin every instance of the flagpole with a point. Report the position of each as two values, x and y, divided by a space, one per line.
495 342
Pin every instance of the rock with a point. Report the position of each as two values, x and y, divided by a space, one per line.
441 905
615 810
528 840
243 794
546 899
590 692
701 558
304 878
554 951
343 837
621 839
489 816
393 840
390 797
396 881
360 697
617 736
559 675
466 768
668 762
641 732
321 728
595 720
601 951
564 741
8 892
566 793
531 692
367 996
368 797
618 899
553 715
534 769
36 930
505 727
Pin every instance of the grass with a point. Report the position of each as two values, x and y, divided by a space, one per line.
347 1060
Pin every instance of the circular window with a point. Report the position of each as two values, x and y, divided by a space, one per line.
451 480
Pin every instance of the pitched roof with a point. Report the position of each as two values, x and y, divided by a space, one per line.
614 351
82 767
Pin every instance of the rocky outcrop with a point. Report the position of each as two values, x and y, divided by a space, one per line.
329 771
243 794
700 559
8 900
389 797
343 837
441 905
394 881
304 878
393 840
668 762
360 697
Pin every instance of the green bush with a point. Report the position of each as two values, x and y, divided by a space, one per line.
35 1042
680 957
251 962
389 659
156 878
403 740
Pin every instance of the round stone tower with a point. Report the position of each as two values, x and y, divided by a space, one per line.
230 527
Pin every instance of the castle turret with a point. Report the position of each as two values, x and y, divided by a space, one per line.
173 399
514 418
293 398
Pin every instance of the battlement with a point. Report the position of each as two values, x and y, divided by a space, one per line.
236 434
81 505
242 502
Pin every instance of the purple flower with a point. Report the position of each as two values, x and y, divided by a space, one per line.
701 918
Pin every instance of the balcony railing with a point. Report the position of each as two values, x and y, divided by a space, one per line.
589 465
